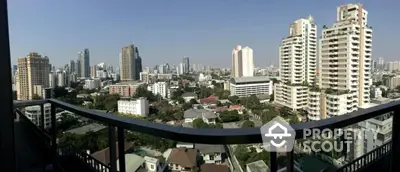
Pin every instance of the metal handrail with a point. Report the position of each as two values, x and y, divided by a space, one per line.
206 136
212 136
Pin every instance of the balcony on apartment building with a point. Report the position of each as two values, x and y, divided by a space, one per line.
27 147
36 147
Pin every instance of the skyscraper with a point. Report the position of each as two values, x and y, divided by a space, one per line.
130 63
297 63
33 76
72 66
84 61
78 67
345 61
381 63
186 64
242 61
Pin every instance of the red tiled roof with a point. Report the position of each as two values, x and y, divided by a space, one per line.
236 107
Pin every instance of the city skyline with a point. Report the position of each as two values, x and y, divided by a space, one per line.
260 30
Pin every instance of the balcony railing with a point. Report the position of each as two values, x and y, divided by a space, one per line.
385 154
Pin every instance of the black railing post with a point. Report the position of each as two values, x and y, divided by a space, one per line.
54 134
121 149
42 116
273 162
112 148
290 161
7 133
395 142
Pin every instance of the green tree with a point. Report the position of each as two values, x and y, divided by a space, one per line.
293 119
285 111
67 122
186 106
181 100
229 116
234 99
199 123
36 97
142 91
248 124
111 103
193 101
178 115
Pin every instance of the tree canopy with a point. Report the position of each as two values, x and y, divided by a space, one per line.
248 124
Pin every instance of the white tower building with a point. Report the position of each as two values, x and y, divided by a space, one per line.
242 61
298 64
345 61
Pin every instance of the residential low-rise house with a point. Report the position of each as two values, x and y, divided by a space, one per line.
183 159
189 96
212 154
207 116
153 164
209 100
138 107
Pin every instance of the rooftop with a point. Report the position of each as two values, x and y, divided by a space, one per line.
134 83
87 128
250 79
197 113
258 166
132 162
206 148
184 157
189 94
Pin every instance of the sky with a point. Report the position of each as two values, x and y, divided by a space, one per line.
166 30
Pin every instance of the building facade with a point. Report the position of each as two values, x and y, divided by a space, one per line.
124 89
33 71
138 107
160 88
345 61
84 63
298 64
242 61
33 113
247 86
130 63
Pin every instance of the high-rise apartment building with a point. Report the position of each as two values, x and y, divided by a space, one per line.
72 66
298 64
84 63
78 67
93 71
242 61
186 65
345 61
130 63
33 75
381 63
